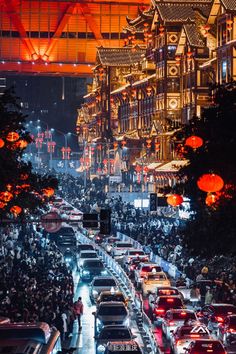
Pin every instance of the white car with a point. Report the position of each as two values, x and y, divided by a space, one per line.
134 253
143 269
175 318
119 249
75 216
152 281
184 335
108 243
99 284
84 255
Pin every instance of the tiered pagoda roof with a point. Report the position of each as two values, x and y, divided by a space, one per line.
193 35
125 56
182 11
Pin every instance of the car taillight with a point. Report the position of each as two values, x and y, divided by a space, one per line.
194 336
171 323
232 330
178 342
183 313
159 311
219 319
170 300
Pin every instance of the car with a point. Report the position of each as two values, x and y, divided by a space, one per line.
112 334
205 346
102 283
165 303
133 253
66 237
163 290
75 216
92 268
227 330
143 269
152 281
213 284
108 243
85 247
112 296
70 258
175 318
66 209
184 335
88 254
132 265
119 248
111 313
214 314
126 347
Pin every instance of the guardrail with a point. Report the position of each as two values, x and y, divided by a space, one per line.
143 322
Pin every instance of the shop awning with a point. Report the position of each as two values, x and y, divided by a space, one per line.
172 166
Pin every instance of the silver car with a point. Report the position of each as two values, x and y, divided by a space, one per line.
111 313
102 283
175 318
112 334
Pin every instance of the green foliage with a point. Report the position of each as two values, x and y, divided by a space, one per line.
212 229
27 192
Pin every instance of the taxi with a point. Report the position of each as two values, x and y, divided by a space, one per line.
128 347
175 318
105 296
184 335
152 281
143 269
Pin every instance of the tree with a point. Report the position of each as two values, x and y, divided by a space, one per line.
22 191
212 228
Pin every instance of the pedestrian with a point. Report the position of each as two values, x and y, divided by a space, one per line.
78 311
194 295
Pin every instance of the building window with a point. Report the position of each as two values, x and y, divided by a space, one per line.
171 49
224 70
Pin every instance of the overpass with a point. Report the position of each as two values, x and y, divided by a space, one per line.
59 37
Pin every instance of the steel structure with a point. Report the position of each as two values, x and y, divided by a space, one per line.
59 37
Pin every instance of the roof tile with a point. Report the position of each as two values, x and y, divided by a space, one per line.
125 56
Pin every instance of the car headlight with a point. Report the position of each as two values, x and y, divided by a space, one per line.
101 348
104 272
94 292
127 322
85 272
68 259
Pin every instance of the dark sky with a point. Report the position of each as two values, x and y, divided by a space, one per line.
42 98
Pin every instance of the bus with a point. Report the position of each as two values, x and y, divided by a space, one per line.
29 338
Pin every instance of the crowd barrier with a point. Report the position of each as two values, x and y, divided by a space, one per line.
168 267
130 292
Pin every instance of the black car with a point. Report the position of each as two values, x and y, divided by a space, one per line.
70 258
84 247
92 268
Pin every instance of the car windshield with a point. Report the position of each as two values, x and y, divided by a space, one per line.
170 302
66 230
207 347
183 316
136 253
225 310
156 277
149 269
112 311
104 282
112 297
123 245
114 333
92 264
85 247
89 255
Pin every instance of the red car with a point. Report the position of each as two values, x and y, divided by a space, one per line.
227 330
165 303
205 346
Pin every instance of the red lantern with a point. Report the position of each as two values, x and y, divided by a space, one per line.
6 196
48 192
9 187
194 142
174 200
12 137
146 169
123 143
105 161
21 144
115 144
2 143
16 210
210 183
138 168
25 186
157 146
229 24
2 205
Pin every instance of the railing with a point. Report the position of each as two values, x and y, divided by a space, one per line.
143 322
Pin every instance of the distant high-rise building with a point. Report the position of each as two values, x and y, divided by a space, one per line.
2 85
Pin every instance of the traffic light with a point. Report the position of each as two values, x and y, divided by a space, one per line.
105 221
153 201
90 221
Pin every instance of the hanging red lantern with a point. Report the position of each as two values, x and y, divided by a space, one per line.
161 31
149 91
177 60
210 183
2 143
138 168
6 196
9 187
115 144
194 142
145 169
123 143
12 137
105 161
48 192
21 144
157 146
124 94
229 24
25 186
16 210
174 200
2 205
133 93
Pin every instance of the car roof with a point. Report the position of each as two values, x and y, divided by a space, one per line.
103 277
181 310
108 292
150 264
88 251
220 305
112 304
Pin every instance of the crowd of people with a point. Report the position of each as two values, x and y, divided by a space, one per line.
35 284
157 233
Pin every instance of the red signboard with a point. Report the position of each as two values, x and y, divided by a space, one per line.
51 222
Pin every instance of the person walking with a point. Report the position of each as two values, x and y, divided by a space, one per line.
78 310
